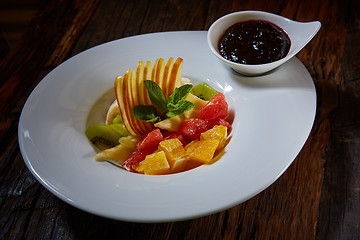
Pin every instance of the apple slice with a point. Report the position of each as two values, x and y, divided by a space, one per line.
167 72
127 95
199 104
130 90
158 74
118 154
170 124
174 80
121 87
139 91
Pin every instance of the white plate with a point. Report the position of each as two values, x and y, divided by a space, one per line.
273 118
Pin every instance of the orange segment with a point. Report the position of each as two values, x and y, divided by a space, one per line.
175 154
156 163
203 150
217 132
172 148
179 164
140 167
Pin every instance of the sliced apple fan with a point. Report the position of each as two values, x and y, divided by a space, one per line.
131 91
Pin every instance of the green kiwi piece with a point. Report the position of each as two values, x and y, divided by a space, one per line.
204 91
118 119
106 136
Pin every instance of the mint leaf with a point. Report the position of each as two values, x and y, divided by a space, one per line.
179 94
146 113
179 108
156 95
175 105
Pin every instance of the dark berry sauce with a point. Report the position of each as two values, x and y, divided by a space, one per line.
254 42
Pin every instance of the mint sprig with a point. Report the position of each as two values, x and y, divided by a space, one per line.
147 113
173 106
179 108
156 95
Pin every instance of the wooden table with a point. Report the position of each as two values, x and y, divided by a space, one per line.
318 197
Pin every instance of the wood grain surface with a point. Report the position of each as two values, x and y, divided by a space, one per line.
318 197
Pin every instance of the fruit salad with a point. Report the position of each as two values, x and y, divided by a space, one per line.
160 123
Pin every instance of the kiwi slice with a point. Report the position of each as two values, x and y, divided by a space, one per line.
106 136
204 91
118 119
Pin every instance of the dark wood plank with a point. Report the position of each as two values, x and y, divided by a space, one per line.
20 71
339 216
37 52
115 15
